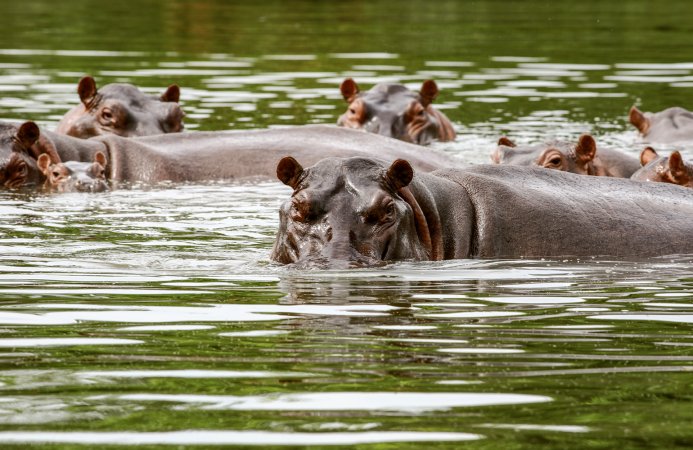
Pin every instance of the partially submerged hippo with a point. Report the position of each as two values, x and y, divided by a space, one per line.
581 157
360 211
74 176
20 146
393 110
209 156
671 125
667 169
122 109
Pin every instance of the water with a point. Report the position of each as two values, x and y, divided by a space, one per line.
153 316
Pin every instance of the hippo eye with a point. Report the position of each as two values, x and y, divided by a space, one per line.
107 114
421 112
56 174
352 110
102 173
555 161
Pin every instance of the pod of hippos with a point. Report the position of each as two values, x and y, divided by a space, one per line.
366 192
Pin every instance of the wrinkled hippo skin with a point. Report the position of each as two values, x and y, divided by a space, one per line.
395 111
664 169
122 109
359 211
73 176
582 157
208 156
671 125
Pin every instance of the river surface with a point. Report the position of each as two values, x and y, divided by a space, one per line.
153 316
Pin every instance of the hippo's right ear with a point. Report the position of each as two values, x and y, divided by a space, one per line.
28 134
638 119
677 168
289 171
586 148
428 93
172 94
647 155
86 90
400 174
100 158
506 142
349 89
44 163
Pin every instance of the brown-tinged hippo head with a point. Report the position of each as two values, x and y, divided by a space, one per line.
666 169
347 213
671 125
74 176
395 111
20 146
122 109
559 155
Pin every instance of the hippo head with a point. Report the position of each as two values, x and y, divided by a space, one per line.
670 125
666 169
347 213
558 155
19 148
395 111
122 109
74 176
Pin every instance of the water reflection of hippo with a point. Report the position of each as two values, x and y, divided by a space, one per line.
206 156
671 125
122 109
359 211
667 169
393 110
581 158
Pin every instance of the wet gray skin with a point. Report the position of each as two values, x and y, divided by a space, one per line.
356 212
122 109
664 169
581 157
395 111
670 125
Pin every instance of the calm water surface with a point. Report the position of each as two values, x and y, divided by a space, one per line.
153 317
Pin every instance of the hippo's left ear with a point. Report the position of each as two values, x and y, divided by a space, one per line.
506 142
44 163
28 134
349 89
638 119
400 174
586 148
86 90
172 94
100 158
289 171
677 167
428 92
647 155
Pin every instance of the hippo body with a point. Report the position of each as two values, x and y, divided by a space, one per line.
582 157
336 214
667 126
121 109
208 156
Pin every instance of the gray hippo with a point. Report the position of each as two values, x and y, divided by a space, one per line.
581 158
20 146
208 156
671 125
122 109
395 111
73 176
361 211
667 169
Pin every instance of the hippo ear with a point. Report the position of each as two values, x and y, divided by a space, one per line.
172 94
289 171
647 155
86 90
428 92
677 167
638 119
586 148
100 158
349 89
400 174
28 134
44 163
506 142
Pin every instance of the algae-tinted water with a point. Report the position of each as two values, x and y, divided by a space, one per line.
153 316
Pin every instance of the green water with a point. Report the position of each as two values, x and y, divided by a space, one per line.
153 317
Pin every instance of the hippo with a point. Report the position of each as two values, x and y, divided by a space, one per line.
667 169
357 211
581 158
210 156
122 109
74 176
671 125
395 111
20 146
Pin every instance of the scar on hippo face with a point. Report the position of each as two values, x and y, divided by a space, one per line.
664 169
71 176
122 109
393 110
